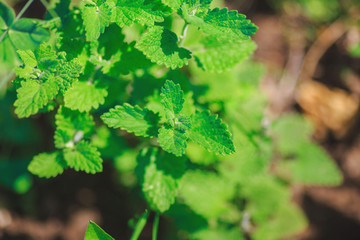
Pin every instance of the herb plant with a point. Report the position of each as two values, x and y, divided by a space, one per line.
163 77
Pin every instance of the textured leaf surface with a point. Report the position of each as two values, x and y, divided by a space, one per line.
208 131
141 122
96 16
222 22
313 166
172 97
160 46
144 12
94 232
33 95
47 165
159 174
84 157
28 57
84 96
219 55
205 193
172 140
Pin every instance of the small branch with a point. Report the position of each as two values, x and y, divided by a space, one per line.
23 10
140 225
182 37
155 226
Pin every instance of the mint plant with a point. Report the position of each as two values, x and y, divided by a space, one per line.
166 74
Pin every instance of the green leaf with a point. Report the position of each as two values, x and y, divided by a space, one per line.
94 232
314 167
219 54
290 132
26 34
173 4
284 223
206 193
28 57
141 122
71 127
83 157
160 46
47 165
159 174
96 15
221 22
208 131
34 95
172 98
144 12
172 140
7 16
84 96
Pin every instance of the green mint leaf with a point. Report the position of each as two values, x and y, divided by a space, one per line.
7 16
173 4
221 22
47 165
172 140
160 46
84 96
172 98
141 122
219 54
28 57
26 34
96 15
83 157
144 12
94 232
205 193
34 95
68 72
208 131
314 167
159 174
71 127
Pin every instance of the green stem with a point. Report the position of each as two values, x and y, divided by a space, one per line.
27 5
155 226
50 10
140 226
183 35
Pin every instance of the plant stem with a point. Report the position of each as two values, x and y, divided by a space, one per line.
155 226
182 37
23 10
140 226
27 5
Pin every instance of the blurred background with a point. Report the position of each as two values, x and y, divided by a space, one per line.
311 53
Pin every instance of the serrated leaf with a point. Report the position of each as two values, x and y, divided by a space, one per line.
84 96
94 232
221 22
173 4
34 95
314 167
96 15
141 122
28 57
68 72
84 157
172 140
208 131
144 12
71 127
172 98
205 193
160 46
47 165
221 54
159 174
